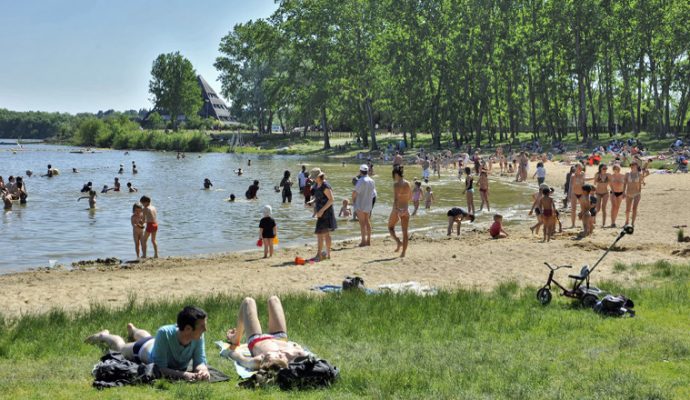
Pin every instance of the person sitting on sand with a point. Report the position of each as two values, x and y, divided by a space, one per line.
172 349
346 210
252 191
496 230
92 199
402 191
268 350
457 215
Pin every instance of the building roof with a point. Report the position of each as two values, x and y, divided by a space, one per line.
213 106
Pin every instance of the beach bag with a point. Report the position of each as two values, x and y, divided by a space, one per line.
307 372
353 283
615 306
115 370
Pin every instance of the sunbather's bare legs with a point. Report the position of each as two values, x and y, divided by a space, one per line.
276 316
117 343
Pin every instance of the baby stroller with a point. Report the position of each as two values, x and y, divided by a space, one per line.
581 290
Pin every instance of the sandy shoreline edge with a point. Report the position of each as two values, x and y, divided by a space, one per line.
471 261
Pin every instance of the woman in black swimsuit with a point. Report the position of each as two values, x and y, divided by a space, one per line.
617 185
325 223
286 184
601 182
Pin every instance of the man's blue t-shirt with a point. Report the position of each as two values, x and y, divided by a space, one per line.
169 353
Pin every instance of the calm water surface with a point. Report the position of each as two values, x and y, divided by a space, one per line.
54 226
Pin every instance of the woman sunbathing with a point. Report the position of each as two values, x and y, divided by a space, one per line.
270 350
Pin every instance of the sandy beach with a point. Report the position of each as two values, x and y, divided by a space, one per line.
472 261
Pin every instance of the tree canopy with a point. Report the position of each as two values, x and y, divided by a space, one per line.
477 69
174 86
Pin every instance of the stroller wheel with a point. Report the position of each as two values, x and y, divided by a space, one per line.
544 296
589 300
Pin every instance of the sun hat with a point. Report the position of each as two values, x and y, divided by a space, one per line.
314 173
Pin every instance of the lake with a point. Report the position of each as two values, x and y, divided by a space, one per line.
54 226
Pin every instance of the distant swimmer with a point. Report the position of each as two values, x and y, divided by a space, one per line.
74 170
231 199
7 201
131 188
239 172
106 189
92 199
87 187
121 170
207 184
51 171
126 153
29 173
134 168
252 191
249 163
116 184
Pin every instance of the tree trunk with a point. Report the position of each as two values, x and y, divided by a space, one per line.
609 91
581 86
532 108
657 100
595 132
324 124
640 67
372 128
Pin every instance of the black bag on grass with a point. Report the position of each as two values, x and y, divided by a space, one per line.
615 306
353 283
307 373
115 370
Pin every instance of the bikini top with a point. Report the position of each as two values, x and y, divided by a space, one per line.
633 178
605 180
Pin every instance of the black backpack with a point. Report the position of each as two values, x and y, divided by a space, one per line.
353 283
615 306
114 370
307 372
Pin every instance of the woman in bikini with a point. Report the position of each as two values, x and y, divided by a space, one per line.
268 350
617 185
469 190
484 189
633 191
577 180
601 189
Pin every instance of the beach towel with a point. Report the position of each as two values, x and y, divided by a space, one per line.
338 289
409 287
243 372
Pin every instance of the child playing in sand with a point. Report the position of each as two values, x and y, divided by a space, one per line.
484 189
417 194
457 215
137 221
496 230
268 230
345 211
428 198
151 218
92 199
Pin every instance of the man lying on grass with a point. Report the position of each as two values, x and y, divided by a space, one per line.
173 347
269 351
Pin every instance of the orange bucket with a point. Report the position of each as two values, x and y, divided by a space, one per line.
299 260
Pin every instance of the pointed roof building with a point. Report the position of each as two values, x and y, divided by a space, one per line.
214 106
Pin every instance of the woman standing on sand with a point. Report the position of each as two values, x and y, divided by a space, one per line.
617 184
633 191
325 222
577 180
601 188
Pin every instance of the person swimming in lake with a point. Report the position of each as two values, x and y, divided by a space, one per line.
131 188
121 170
231 199
346 210
239 172
116 185
207 184
134 168
286 185
92 199
252 191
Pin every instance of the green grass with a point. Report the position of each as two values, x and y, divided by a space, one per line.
460 344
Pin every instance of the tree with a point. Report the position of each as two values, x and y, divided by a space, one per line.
174 86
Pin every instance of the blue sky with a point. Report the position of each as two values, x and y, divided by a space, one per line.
89 55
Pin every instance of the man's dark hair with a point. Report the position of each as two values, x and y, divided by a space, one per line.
144 199
189 315
398 170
